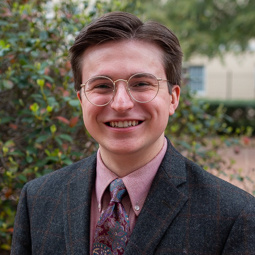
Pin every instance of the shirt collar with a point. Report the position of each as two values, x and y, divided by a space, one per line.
137 183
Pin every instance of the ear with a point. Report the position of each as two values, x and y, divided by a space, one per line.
175 96
79 95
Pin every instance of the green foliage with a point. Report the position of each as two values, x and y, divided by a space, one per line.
199 133
242 113
40 119
206 27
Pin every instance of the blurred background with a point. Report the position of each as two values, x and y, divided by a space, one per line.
41 128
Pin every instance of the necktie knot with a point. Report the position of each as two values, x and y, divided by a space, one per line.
117 190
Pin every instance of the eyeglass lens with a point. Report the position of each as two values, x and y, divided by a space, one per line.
100 90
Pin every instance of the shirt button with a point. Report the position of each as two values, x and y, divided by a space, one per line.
137 207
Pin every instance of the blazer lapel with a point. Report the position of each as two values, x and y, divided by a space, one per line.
77 207
163 203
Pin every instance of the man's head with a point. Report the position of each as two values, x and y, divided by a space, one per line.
123 70
119 26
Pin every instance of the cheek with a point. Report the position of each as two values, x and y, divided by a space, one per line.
89 123
90 114
85 112
159 115
162 111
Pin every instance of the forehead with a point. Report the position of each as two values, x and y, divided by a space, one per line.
124 57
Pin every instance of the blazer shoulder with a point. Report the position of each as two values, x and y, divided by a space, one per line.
55 181
229 195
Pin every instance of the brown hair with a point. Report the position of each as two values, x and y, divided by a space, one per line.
116 26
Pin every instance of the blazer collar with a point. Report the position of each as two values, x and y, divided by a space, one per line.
77 203
166 198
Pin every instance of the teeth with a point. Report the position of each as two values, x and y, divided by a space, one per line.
124 124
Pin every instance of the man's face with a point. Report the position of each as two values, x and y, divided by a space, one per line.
120 60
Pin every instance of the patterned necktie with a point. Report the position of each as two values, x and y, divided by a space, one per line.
112 230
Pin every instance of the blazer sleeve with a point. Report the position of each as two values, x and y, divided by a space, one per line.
241 239
21 240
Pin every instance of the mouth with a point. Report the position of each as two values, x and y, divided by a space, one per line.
124 124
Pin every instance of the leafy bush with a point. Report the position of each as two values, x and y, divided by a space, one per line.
199 132
242 113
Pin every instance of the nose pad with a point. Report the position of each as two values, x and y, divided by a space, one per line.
122 99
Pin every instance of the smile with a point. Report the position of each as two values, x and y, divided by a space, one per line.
124 124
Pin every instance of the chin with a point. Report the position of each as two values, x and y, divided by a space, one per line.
123 148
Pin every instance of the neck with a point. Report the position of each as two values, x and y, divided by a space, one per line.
124 164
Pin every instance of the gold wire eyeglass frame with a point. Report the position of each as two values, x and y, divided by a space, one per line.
127 88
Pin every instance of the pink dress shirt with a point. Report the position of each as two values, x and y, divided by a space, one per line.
137 183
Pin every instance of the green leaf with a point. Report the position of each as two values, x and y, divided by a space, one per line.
8 84
9 143
66 137
49 108
22 178
47 171
40 82
4 120
67 161
53 129
29 159
59 141
74 103
4 45
52 158
42 138
6 247
34 107
16 153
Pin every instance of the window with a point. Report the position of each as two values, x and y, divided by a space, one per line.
196 78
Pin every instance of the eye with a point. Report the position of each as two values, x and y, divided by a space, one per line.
99 85
140 84
102 86
143 82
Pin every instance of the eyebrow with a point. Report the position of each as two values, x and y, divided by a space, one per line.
105 75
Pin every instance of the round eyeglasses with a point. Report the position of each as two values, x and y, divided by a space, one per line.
142 87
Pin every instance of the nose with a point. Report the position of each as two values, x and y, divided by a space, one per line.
122 101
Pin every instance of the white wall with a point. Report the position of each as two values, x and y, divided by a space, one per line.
230 78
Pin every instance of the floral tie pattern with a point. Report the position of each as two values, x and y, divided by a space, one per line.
112 230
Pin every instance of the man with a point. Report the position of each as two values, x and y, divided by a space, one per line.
127 75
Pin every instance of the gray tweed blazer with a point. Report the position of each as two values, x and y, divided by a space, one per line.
187 211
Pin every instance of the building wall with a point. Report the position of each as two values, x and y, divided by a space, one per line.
230 78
